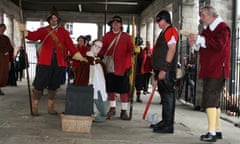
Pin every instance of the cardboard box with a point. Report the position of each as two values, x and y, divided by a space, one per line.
76 123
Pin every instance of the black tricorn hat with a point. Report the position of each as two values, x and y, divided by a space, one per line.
115 18
53 12
163 15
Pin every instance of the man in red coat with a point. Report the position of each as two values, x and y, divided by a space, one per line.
119 45
214 46
146 68
56 43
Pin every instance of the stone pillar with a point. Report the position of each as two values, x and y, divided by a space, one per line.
147 30
176 11
41 22
224 9
190 15
150 32
11 29
143 30
100 30
155 29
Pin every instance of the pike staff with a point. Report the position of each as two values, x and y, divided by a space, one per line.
26 58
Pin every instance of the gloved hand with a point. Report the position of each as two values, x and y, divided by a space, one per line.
78 56
22 28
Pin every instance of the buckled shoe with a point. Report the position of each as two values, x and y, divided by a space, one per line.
208 137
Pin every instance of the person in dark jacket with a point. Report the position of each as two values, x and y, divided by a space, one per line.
164 63
20 63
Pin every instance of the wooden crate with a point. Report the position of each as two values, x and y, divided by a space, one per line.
76 123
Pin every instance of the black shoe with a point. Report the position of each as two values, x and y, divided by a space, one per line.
164 129
124 115
219 135
112 111
208 137
139 100
159 124
146 92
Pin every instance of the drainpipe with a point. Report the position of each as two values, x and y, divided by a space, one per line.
232 82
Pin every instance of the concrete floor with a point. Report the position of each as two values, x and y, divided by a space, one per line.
18 127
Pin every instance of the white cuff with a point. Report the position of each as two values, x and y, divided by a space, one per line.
124 106
172 41
201 41
112 103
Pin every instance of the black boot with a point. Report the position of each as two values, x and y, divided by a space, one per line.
168 115
159 124
138 99
124 115
164 129
112 111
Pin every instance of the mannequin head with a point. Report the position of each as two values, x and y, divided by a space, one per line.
96 47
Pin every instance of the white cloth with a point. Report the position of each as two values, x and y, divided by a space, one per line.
97 79
113 103
214 24
201 41
124 106
172 41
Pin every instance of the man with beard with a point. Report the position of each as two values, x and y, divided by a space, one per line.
56 43
214 46
118 44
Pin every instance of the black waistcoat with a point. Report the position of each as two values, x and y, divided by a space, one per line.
160 53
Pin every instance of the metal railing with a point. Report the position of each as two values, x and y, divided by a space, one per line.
230 101
32 58
186 86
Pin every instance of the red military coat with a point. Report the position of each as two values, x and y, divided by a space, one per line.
45 55
123 51
83 50
215 58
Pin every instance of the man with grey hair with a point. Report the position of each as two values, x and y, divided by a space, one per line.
213 45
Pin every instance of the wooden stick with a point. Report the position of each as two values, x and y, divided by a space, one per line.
149 100
26 58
